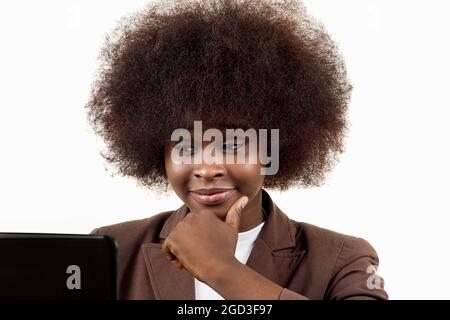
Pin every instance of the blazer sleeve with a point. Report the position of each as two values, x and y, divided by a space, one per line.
287 294
354 276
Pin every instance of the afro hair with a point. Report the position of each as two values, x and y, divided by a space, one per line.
239 64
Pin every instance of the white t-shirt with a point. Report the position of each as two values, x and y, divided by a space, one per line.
244 246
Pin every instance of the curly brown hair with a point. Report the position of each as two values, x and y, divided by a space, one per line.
248 64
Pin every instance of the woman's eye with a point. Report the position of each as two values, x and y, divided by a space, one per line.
231 147
186 150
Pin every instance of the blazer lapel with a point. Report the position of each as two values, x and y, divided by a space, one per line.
168 283
278 267
274 255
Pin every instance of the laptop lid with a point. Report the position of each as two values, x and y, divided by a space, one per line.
57 266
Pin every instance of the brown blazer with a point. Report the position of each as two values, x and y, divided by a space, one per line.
307 261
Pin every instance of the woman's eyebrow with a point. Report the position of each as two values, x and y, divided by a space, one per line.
222 127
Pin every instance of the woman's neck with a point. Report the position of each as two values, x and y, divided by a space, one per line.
252 215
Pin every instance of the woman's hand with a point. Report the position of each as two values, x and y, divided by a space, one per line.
201 242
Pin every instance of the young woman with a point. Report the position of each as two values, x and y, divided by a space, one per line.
229 64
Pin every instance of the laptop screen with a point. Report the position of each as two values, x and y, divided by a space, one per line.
57 266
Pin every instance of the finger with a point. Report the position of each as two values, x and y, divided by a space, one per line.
171 256
233 217
174 261
177 264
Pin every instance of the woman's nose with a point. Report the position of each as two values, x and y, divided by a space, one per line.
209 171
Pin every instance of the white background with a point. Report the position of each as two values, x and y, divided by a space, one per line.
391 186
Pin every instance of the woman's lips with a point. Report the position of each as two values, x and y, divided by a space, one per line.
209 197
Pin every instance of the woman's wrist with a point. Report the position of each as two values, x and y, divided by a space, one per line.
222 273
236 281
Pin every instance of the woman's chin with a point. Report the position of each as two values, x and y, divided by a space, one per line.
219 211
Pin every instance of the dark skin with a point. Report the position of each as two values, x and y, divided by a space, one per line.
204 242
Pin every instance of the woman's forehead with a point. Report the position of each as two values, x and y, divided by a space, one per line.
220 132
208 124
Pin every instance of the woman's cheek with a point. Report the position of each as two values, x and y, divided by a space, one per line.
246 174
178 175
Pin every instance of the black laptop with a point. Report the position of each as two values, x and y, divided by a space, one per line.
57 266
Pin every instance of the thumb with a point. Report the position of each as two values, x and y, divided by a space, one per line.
233 216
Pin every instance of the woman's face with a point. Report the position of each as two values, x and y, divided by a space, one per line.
193 182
